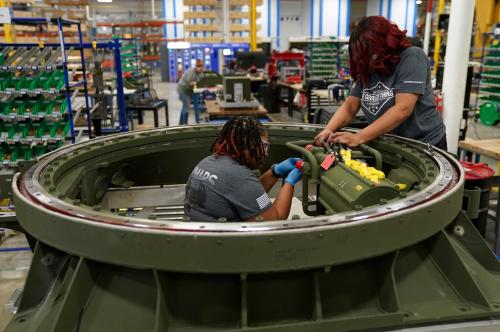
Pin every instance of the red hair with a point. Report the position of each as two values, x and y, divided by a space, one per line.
374 47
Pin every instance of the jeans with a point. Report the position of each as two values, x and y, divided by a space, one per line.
186 103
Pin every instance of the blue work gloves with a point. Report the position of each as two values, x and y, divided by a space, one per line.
282 169
294 176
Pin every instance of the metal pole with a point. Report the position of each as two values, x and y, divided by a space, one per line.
437 41
153 15
85 88
253 25
428 22
455 67
119 87
226 20
66 80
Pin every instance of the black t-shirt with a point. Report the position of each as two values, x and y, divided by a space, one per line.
411 75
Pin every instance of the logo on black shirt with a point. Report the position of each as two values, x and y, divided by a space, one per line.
374 99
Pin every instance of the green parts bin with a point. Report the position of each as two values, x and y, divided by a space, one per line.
4 77
59 129
56 81
39 82
48 81
489 113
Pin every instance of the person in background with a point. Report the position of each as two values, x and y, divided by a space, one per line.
223 184
185 89
392 86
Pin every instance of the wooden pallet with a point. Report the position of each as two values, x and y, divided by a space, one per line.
195 15
200 2
211 39
243 2
66 2
233 15
201 27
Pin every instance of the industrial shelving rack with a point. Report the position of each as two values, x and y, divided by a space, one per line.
147 34
200 25
239 18
489 83
489 86
48 74
326 57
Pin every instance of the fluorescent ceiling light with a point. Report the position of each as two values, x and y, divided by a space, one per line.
178 45
104 0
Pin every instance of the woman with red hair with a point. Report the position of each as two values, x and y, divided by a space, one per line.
392 87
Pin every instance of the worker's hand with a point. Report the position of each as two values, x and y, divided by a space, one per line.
344 137
282 169
323 136
294 176
193 84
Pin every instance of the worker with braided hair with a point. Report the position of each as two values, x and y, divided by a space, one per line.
223 185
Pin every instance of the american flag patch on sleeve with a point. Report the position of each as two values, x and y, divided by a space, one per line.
263 201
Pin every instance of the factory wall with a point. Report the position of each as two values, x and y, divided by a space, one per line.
173 10
401 12
316 17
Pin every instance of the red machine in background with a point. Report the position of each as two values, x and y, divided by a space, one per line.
279 60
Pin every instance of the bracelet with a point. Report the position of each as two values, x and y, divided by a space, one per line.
276 175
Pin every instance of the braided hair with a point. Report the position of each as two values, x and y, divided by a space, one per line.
240 134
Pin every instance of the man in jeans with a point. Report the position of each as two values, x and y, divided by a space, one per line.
185 89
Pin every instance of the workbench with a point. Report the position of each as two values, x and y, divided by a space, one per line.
153 107
475 148
215 111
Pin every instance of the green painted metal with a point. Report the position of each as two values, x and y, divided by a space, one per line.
410 260
489 114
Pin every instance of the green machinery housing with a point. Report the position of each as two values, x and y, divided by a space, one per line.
382 242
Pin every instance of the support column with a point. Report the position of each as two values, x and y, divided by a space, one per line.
428 23
227 34
437 40
455 67
253 25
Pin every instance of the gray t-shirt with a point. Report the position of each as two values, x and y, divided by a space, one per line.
189 75
411 75
219 187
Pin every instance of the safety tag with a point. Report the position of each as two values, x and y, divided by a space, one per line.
328 162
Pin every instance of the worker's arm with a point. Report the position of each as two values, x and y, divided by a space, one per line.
280 209
268 180
342 117
281 170
390 120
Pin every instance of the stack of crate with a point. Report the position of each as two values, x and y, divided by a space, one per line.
69 9
23 33
239 16
201 22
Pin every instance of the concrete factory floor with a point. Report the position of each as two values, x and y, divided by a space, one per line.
15 258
